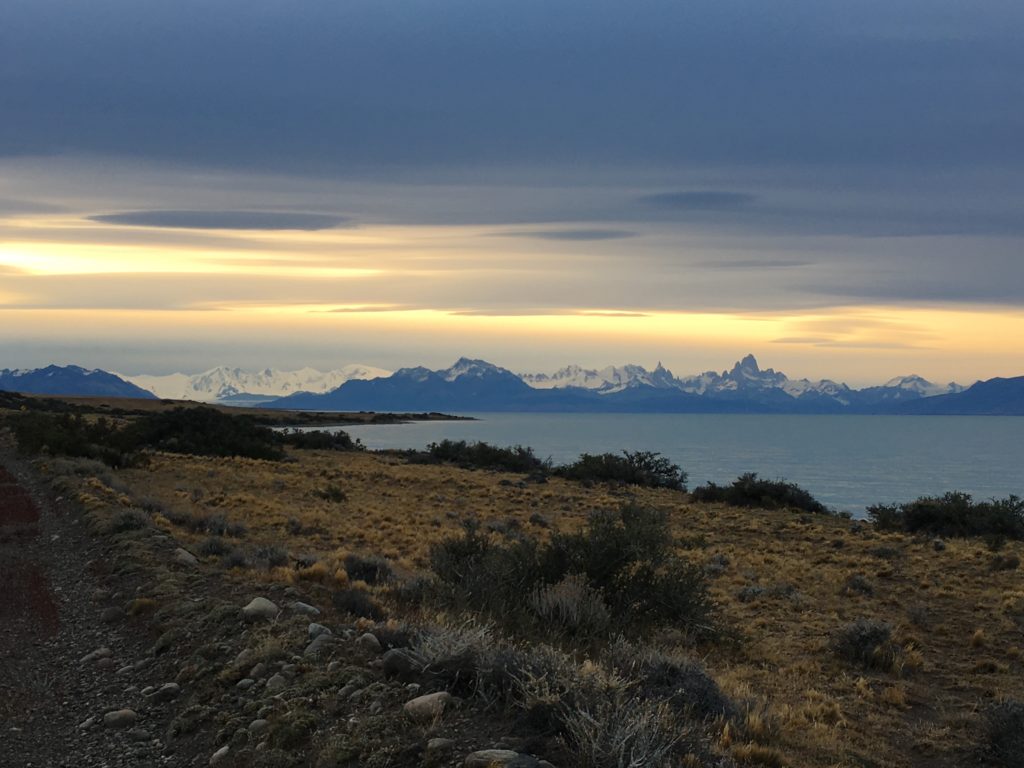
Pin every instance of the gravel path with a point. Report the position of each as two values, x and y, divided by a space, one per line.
53 598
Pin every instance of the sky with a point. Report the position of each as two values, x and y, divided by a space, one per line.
836 187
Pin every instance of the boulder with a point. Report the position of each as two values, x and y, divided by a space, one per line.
427 707
260 609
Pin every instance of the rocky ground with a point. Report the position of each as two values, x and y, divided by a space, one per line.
117 649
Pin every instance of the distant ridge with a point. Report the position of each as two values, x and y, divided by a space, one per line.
995 397
471 385
69 380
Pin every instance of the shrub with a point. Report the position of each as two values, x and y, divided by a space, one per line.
371 569
867 642
204 431
213 546
622 732
128 520
1004 727
626 558
573 606
320 440
643 468
357 602
236 558
271 555
749 490
481 455
332 493
954 514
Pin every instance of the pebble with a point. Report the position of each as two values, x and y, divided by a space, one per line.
139 734
121 718
87 723
500 758
111 615
259 608
428 707
219 755
258 671
245 684
258 726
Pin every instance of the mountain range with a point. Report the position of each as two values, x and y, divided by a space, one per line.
240 387
478 386
70 380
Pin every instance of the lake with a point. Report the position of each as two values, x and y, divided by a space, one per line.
847 462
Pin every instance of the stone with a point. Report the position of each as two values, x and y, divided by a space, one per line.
88 723
306 608
368 642
277 683
106 663
121 718
165 692
402 664
258 671
260 609
139 734
245 684
438 746
111 615
99 653
320 645
334 666
315 630
500 758
184 558
938 545
258 726
219 755
427 707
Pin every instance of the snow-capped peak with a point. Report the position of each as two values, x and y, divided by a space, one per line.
223 382
466 366
922 386
606 380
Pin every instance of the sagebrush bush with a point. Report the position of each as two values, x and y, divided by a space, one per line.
358 603
749 490
643 468
867 642
213 546
271 556
369 568
626 558
954 514
573 606
128 520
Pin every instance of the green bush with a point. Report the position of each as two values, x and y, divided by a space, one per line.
481 455
320 440
644 468
626 558
748 490
203 431
954 514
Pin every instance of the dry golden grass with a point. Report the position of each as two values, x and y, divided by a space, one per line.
958 622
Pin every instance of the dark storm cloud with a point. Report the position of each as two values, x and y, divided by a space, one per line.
251 220
583 235
705 200
372 86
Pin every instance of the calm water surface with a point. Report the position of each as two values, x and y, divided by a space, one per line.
848 462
